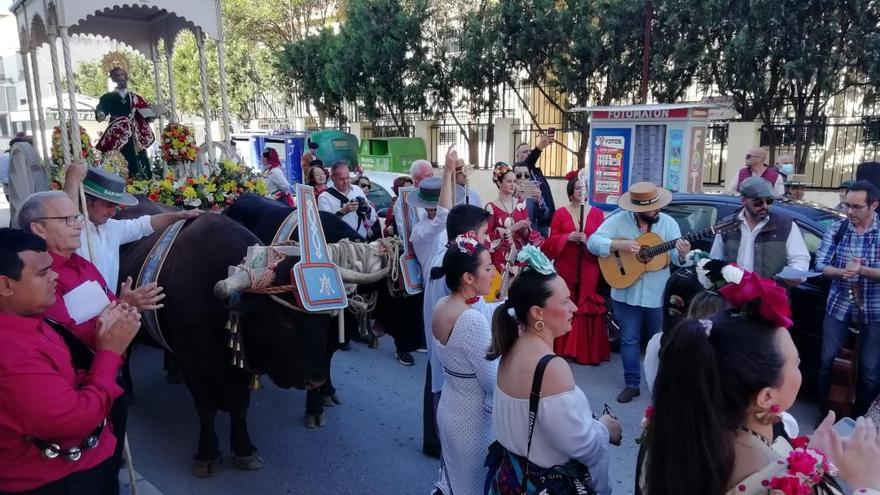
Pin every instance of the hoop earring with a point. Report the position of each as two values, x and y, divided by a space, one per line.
539 325
769 416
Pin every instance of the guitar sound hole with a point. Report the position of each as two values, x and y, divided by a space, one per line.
643 255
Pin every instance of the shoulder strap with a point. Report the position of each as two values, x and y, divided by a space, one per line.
534 398
841 231
337 194
80 353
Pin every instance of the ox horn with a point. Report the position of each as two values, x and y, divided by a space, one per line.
237 281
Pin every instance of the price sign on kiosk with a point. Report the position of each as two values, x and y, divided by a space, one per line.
663 144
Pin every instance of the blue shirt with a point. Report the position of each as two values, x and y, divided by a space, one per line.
647 292
4 169
853 244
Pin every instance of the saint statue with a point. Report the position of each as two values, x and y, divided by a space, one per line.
128 130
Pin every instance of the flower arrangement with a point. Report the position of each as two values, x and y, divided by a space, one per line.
207 192
58 153
178 144
806 467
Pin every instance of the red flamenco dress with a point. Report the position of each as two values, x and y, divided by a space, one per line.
587 342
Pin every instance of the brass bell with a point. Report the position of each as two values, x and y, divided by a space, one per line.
231 343
234 360
238 347
255 382
228 325
241 363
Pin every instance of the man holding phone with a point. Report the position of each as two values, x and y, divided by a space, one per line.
534 187
347 202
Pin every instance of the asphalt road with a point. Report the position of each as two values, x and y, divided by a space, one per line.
370 445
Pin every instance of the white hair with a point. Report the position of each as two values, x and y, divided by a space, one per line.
32 209
419 165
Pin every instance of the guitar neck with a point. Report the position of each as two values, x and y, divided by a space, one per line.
668 245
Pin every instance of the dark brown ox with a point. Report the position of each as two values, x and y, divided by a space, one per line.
286 345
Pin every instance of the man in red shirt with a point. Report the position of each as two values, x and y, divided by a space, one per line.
53 436
53 217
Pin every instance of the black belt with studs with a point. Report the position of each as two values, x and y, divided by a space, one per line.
51 450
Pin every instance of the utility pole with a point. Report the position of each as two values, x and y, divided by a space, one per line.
646 51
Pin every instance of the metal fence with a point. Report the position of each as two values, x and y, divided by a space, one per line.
834 149
557 159
380 131
474 142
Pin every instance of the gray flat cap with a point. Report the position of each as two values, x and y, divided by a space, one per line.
756 187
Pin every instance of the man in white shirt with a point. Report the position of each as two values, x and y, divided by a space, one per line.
346 201
763 244
105 193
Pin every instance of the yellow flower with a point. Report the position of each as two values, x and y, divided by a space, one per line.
209 188
190 193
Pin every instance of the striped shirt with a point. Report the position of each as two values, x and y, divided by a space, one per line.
853 245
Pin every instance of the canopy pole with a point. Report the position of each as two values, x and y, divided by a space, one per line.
203 75
38 94
157 80
172 93
56 77
25 66
221 62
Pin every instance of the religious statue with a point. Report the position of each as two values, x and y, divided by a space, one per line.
128 130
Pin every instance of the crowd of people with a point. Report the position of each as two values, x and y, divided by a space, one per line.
511 297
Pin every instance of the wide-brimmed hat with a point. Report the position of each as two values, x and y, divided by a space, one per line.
428 194
107 186
644 196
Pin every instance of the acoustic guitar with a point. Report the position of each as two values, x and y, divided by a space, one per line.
622 269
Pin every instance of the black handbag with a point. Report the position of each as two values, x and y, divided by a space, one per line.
571 478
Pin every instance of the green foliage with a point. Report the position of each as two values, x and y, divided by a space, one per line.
383 64
679 44
306 64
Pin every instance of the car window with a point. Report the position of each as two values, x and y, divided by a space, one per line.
691 217
378 196
810 239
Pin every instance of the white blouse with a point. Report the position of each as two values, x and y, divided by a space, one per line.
565 430
276 181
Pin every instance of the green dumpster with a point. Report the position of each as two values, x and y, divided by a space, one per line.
334 146
393 154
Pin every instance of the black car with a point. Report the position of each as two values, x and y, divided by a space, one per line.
695 211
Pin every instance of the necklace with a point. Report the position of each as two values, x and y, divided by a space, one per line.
509 211
755 434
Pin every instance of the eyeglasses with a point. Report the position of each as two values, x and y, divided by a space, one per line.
364 185
761 201
749 157
72 220
523 175
853 207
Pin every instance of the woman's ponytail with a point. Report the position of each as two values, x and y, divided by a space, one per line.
505 331
438 272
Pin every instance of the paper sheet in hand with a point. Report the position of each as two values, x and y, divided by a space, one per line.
86 301
789 273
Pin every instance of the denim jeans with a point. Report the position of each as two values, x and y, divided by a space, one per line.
834 336
632 319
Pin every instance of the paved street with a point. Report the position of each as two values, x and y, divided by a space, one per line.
371 443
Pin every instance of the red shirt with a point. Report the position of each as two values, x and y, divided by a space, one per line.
45 397
72 272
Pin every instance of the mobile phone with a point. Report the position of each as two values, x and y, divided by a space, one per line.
845 427
551 131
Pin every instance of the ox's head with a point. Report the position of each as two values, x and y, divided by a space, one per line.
286 344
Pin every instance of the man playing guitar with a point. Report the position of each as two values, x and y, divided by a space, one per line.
639 305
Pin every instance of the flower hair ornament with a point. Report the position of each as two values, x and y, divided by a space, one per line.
531 257
500 171
772 299
707 326
466 244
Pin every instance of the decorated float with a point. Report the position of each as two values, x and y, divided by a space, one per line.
205 175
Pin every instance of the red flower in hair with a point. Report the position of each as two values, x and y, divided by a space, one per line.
571 175
773 300
800 442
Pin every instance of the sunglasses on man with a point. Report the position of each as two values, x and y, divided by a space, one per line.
761 201
523 175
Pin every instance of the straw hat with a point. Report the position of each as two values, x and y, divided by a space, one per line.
644 196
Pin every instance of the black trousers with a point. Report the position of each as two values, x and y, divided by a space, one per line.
430 439
99 480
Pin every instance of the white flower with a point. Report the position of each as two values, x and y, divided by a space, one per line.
732 274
